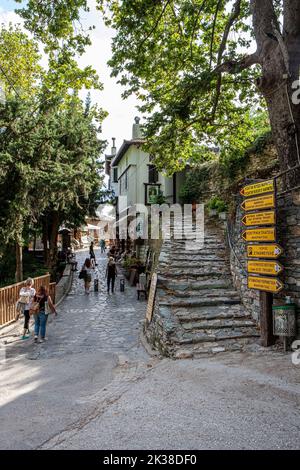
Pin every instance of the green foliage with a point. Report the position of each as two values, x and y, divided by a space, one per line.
159 198
33 267
131 262
19 62
167 53
216 203
195 185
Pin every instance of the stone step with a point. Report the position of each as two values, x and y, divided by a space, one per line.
215 335
199 302
196 285
211 348
217 324
203 293
199 257
211 313
196 264
187 273
192 277
204 248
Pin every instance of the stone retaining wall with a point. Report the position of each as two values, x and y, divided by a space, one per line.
63 286
288 234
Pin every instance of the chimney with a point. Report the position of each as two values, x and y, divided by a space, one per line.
136 129
114 149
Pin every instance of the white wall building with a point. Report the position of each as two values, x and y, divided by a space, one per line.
132 175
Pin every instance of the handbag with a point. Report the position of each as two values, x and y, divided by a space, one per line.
47 308
35 308
24 299
82 274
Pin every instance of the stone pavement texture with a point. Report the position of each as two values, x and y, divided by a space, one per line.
93 386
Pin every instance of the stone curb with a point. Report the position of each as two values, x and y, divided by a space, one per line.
147 346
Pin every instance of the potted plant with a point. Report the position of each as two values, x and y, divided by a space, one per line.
217 206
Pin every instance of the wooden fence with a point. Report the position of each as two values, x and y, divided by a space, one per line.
10 294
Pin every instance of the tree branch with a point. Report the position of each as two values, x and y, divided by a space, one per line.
264 18
233 67
156 23
213 33
291 15
234 16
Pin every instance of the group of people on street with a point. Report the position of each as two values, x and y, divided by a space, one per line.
40 305
88 268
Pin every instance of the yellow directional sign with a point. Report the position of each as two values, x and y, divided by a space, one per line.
262 202
268 284
264 251
258 188
259 235
259 218
273 268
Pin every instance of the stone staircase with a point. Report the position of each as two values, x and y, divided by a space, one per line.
197 309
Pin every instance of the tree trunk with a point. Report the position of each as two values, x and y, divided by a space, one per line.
279 54
45 241
53 241
19 262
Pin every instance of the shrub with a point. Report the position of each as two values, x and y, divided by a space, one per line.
215 203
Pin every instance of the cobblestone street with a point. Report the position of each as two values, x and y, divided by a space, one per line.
93 386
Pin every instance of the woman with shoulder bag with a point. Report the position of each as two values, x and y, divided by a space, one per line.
86 274
45 306
27 294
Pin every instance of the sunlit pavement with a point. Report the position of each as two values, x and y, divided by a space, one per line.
93 386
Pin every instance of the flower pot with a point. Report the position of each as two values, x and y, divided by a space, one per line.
223 215
212 212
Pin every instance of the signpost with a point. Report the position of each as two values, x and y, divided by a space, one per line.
262 202
259 197
264 251
272 268
268 284
258 188
259 235
259 218
151 298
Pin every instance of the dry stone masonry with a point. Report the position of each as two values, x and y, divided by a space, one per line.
197 309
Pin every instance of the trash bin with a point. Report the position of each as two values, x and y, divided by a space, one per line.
122 284
284 322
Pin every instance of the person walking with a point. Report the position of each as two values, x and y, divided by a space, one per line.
92 255
27 294
102 246
111 273
86 275
45 306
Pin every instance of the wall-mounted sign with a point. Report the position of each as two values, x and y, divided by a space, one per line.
259 218
271 268
262 202
264 251
258 188
259 235
267 284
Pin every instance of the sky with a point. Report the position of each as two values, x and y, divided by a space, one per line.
121 112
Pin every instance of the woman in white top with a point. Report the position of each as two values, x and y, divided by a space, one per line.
27 293
88 271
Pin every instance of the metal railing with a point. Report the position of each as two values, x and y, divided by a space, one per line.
9 296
